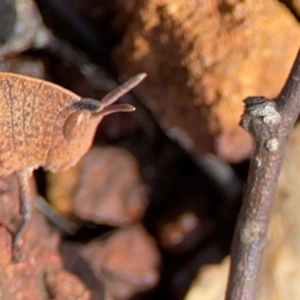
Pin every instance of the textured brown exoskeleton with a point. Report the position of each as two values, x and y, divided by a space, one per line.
45 125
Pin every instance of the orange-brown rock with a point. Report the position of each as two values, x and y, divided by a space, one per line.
40 274
294 6
203 58
126 262
105 187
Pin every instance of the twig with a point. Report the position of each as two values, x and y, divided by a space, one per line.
270 124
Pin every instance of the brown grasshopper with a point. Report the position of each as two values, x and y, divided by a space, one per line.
45 125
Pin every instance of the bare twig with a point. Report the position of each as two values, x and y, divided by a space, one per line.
270 124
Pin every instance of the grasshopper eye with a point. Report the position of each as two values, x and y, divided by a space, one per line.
72 125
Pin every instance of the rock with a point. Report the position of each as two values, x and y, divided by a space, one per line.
21 27
104 188
126 262
38 275
202 60
293 5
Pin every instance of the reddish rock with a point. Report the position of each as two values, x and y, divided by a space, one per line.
203 58
105 188
64 286
126 262
294 5
28 278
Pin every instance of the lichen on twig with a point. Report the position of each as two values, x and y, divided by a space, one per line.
270 123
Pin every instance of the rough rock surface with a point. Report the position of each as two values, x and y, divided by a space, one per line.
294 6
203 58
105 188
126 262
40 274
